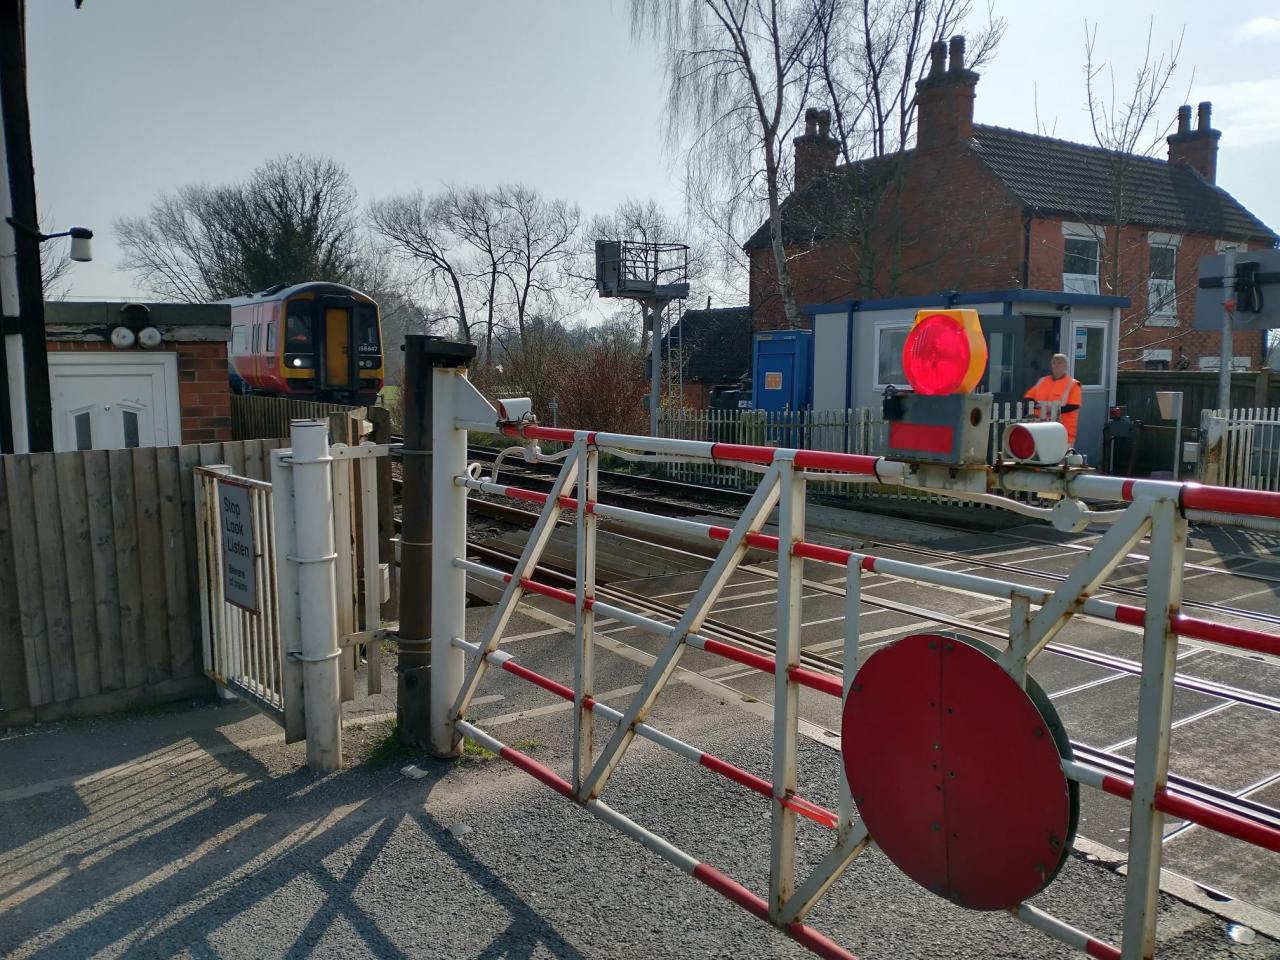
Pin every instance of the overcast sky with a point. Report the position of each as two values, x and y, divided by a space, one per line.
133 97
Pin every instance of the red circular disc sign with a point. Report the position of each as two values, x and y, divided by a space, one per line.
956 771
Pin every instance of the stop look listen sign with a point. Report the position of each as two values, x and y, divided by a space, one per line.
239 567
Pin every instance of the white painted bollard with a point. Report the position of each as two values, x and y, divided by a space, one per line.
317 595
448 540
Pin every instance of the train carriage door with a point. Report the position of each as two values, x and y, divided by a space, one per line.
337 346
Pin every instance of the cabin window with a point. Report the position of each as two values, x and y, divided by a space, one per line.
239 340
298 328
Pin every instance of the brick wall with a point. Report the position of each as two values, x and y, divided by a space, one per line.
204 392
1138 330
956 228
959 229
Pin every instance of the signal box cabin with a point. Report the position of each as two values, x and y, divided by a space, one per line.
857 348
137 374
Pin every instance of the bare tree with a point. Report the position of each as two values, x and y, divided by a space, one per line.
294 219
738 74
604 385
54 267
1126 124
419 228
539 236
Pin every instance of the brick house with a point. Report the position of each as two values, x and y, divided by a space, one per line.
105 396
711 348
974 207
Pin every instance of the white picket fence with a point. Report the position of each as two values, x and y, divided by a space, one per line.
1241 448
860 430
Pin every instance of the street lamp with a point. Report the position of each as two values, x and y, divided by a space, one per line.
81 250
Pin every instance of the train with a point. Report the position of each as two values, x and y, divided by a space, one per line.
307 341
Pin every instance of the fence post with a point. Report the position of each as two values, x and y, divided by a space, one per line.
317 593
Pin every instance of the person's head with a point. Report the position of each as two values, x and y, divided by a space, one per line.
1058 365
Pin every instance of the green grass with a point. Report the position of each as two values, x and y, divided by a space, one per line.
386 750
473 751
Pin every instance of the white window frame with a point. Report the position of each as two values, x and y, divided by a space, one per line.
1162 292
1082 282
1222 246
888 326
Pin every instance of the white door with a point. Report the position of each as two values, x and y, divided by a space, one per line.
111 401
1091 365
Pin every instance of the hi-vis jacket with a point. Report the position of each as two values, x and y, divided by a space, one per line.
1062 396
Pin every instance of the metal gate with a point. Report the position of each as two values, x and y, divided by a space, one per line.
290 584
1241 448
1040 766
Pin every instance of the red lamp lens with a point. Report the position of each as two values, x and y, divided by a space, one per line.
936 356
1021 443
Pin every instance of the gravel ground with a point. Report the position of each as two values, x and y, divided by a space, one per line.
201 848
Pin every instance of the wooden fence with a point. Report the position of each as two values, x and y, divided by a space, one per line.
1136 391
266 418
99 599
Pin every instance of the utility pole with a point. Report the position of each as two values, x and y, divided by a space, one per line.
26 367
655 360
1228 308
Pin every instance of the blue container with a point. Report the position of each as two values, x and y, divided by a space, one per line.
782 370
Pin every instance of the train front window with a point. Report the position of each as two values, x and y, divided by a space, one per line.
367 336
298 338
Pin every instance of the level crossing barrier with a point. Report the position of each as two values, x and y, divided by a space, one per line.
290 583
883 708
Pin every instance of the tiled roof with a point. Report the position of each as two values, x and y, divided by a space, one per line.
1055 177
716 344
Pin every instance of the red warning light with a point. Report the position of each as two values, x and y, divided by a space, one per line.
1022 444
945 352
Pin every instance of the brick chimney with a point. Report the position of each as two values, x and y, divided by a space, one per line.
944 98
816 151
1197 148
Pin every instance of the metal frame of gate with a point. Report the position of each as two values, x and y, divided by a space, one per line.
320 587
1156 509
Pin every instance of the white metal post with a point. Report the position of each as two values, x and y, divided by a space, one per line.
449 540
849 668
1155 705
786 694
317 600
584 672
285 510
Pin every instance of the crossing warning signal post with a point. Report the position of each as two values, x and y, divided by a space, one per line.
940 420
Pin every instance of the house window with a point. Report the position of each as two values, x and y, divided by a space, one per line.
1157 359
1079 260
1162 288
889 344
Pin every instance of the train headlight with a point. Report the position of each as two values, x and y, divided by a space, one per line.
297 361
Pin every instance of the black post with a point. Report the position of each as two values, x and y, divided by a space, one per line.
413 682
22 190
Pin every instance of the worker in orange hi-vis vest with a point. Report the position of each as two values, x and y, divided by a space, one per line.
1058 394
